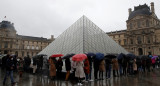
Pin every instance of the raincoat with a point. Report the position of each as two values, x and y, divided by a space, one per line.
52 68
79 70
86 67
115 64
102 66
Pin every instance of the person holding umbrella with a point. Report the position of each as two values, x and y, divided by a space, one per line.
68 68
86 68
115 67
52 62
59 65
101 69
79 73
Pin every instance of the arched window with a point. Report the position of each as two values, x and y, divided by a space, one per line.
32 47
139 41
147 23
37 47
27 46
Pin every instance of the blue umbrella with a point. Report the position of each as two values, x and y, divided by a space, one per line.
121 56
99 56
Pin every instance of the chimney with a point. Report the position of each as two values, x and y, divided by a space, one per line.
152 7
129 10
52 37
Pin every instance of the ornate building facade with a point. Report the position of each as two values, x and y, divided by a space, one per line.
142 35
20 45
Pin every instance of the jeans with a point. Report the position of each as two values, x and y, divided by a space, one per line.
7 74
108 72
120 69
90 73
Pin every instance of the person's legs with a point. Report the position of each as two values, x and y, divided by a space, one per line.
11 76
6 75
67 75
90 73
109 72
95 74
86 76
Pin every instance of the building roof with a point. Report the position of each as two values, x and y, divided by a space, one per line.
140 10
7 25
31 38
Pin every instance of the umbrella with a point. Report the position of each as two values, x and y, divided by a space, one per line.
131 56
154 57
56 55
121 56
110 56
79 57
99 56
90 54
68 56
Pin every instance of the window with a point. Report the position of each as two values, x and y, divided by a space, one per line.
119 41
130 25
28 47
139 24
147 23
27 53
37 48
32 53
22 53
32 47
148 40
131 40
125 42
6 45
139 41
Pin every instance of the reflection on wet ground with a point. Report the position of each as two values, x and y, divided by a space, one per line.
146 79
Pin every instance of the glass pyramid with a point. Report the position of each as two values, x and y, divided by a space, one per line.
82 37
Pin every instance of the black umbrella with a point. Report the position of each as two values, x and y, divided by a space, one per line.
121 56
110 56
68 56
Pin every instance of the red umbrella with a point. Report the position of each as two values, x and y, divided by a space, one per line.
56 55
79 57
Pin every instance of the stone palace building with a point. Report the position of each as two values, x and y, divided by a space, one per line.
20 45
142 35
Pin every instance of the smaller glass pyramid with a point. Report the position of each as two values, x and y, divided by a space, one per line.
83 37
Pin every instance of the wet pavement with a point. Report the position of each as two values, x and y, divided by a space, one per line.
146 79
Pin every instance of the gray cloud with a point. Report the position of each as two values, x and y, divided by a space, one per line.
43 18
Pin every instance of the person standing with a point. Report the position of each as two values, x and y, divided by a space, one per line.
134 67
52 62
96 68
79 73
86 68
108 62
101 69
20 66
9 69
68 68
59 65
115 67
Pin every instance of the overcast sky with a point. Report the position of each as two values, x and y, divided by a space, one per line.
42 18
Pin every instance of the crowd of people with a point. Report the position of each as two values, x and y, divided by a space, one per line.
120 65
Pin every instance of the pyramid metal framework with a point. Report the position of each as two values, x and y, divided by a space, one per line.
82 37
